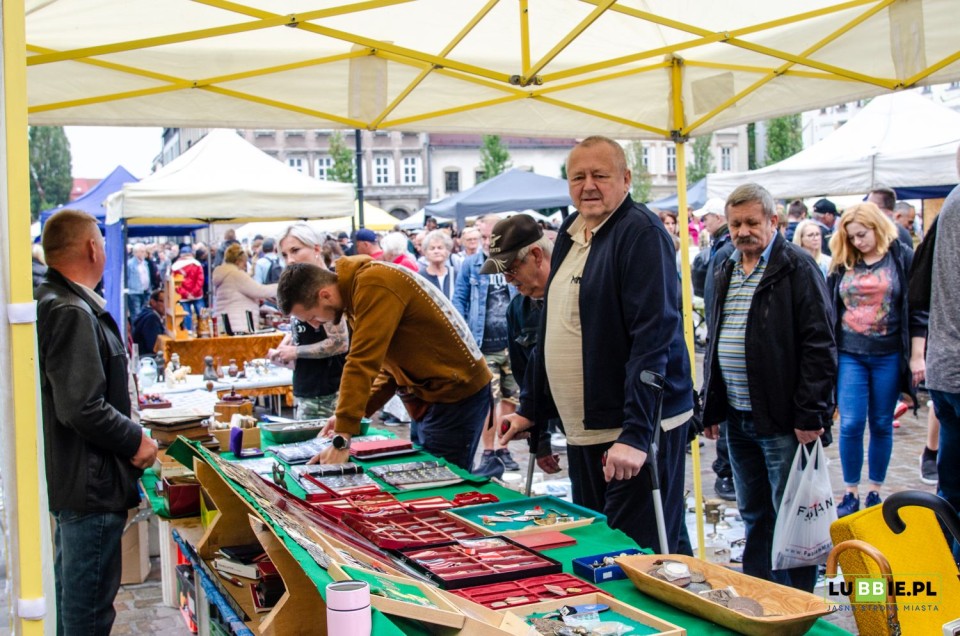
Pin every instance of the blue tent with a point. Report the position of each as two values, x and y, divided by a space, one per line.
511 190
696 197
116 235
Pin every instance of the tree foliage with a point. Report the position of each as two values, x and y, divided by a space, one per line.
641 180
343 159
702 159
752 147
494 157
784 138
50 172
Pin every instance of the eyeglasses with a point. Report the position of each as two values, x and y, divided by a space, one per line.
512 272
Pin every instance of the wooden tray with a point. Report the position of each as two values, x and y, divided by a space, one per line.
796 610
472 516
663 627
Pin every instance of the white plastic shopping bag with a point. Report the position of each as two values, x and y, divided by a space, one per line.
802 533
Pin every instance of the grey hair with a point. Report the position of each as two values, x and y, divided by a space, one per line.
750 192
436 235
393 245
544 243
303 233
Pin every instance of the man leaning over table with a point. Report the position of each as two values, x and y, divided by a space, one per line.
407 339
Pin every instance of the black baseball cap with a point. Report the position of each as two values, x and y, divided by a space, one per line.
825 206
509 236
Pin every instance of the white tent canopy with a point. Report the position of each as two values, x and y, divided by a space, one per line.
223 177
897 140
626 69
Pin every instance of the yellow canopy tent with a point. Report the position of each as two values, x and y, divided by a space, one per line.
626 69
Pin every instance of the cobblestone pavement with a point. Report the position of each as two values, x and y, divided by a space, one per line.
141 611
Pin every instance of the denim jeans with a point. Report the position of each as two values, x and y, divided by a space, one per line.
136 301
947 407
761 466
867 390
195 306
87 571
452 431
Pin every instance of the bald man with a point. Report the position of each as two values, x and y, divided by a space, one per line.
93 452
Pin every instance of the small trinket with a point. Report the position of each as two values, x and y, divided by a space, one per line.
522 518
596 564
516 600
609 561
574 590
549 520
536 512
507 513
555 589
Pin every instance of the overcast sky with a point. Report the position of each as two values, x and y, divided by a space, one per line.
97 150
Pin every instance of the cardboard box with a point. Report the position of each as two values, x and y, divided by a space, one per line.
251 438
136 551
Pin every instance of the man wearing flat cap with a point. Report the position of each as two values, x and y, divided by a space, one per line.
611 317
825 214
522 255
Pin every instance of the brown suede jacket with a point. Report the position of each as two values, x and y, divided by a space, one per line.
405 335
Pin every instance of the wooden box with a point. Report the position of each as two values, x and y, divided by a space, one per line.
663 627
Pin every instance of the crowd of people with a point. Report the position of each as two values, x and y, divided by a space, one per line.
513 329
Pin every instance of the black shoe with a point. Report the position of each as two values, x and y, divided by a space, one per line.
725 489
508 462
928 467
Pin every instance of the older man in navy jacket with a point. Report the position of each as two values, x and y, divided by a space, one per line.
611 312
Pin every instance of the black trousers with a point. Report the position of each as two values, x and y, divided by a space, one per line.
628 504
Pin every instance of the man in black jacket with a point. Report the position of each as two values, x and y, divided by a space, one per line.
611 312
94 453
770 369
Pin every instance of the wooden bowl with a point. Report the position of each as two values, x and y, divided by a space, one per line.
788 611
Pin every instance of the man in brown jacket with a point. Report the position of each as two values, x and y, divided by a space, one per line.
406 338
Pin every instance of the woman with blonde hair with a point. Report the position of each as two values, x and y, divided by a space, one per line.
436 247
235 292
315 354
880 341
809 237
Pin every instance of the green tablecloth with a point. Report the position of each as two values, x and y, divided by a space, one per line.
596 538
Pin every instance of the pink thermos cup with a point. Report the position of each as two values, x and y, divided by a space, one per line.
348 608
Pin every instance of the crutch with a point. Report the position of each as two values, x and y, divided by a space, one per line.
656 382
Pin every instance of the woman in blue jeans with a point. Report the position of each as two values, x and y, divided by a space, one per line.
880 341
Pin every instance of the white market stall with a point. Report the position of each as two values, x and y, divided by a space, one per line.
628 69
902 140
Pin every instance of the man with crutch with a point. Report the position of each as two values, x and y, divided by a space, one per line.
612 312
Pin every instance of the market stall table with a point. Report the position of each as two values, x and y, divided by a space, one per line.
278 381
239 348
590 539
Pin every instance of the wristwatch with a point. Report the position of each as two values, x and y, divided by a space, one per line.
340 442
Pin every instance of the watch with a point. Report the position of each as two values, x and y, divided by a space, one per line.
340 442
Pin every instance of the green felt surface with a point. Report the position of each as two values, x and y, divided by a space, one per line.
596 538
474 514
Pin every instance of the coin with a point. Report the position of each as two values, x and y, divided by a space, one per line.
746 606
697 587
697 576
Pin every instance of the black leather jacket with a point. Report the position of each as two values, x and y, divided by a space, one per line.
791 352
89 437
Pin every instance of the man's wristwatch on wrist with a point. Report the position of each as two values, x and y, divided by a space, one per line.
340 442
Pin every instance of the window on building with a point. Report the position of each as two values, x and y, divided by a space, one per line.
451 181
645 157
296 163
479 176
726 159
671 160
324 166
382 170
411 170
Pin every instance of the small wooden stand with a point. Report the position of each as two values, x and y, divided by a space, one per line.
301 610
175 311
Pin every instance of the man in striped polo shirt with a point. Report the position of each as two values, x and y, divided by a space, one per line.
770 371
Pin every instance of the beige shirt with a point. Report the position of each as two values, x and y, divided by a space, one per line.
563 346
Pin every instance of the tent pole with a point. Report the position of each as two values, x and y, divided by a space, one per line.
30 556
686 289
358 143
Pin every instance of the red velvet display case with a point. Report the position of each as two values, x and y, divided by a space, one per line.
525 591
409 530
469 562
